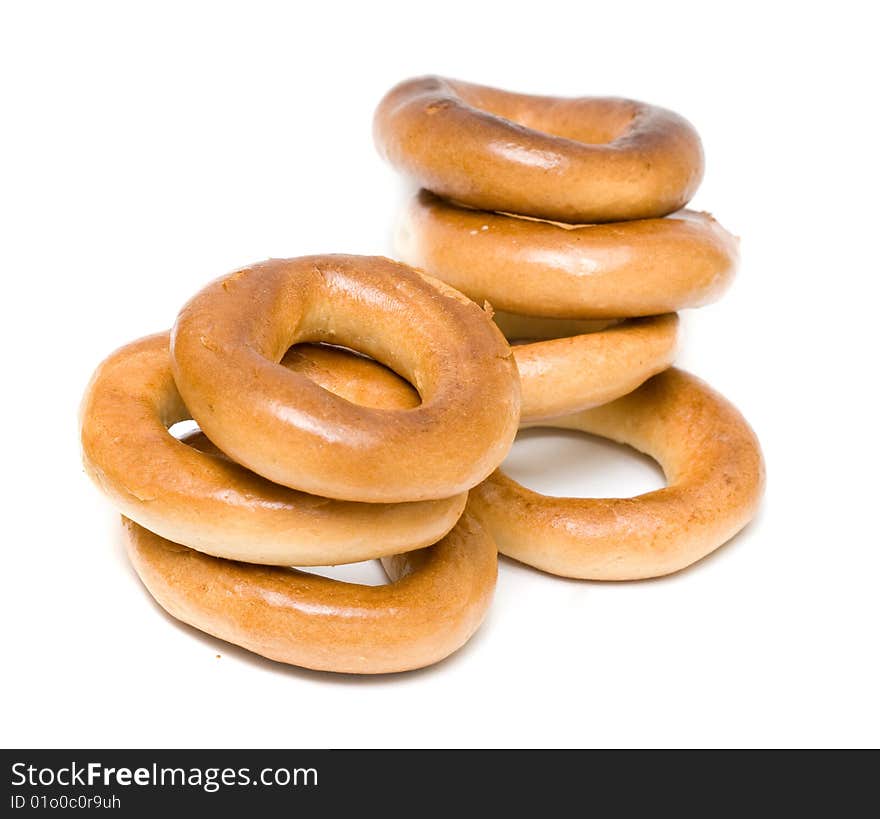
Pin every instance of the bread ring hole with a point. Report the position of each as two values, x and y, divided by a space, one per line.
570 464
352 375
185 430
363 573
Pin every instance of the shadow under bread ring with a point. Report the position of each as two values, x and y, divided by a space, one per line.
437 598
715 478
567 365
228 340
586 159
539 268
207 502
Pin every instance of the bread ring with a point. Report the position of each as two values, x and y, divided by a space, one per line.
436 600
541 268
228 340
715 475
219 507
587 159
576 367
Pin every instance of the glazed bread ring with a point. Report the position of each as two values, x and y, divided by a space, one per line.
715 475
436 600
576 366
542 268
211 504
228 340
589 159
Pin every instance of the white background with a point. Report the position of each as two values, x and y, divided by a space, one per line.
148 148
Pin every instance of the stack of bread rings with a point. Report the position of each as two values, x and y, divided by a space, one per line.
566 217
353 408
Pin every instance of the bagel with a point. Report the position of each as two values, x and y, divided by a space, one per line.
228 340
539 268
436 600
205 501
576 365
715 474
587 159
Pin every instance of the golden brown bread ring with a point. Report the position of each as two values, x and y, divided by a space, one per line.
715 475
539 268
436 600
587 159
576 366
228 340
219 507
